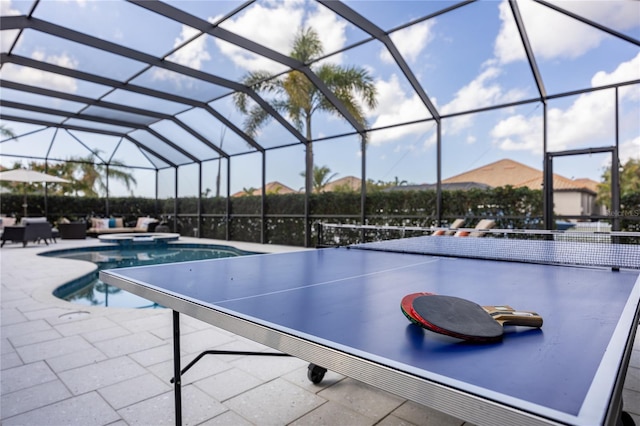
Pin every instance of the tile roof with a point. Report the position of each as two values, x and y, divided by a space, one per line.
509 172
348 182
451 186
587 183
271 187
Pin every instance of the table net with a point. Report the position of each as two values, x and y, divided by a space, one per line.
598 249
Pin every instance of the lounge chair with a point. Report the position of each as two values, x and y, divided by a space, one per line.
451 230
483 225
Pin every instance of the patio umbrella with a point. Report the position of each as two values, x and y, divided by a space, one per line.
28 176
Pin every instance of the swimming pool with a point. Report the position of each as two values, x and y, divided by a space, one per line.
90 291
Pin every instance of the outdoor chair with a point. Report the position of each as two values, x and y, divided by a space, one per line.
30 229
451 230
484 224
73 230
101 226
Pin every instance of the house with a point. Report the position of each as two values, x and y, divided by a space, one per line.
571 197
345 184
454 186
271 188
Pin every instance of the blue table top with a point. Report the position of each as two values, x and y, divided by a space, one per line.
349 299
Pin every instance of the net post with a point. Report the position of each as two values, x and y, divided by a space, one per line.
177 384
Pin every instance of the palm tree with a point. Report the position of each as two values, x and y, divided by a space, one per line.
5 131
398 182
248 191
90 177
223 132
321 177
296 96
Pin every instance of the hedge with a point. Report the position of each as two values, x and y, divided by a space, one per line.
520 208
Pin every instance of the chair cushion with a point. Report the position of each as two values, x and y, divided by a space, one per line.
457 223
143 223
7 221
26 220
97 223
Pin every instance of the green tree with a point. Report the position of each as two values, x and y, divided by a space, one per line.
37 187
321 177
376 186
294 95
397 182
84 175
223 132
90 176
629 182
55 169
7 132
248 191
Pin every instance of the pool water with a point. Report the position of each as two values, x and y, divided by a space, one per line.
90 291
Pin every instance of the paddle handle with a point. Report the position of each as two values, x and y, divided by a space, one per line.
506 315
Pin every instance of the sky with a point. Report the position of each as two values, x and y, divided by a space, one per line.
465 60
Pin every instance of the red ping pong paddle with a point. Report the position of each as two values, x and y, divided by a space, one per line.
463 319
407 305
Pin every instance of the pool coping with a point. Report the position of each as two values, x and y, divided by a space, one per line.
77 284
44 294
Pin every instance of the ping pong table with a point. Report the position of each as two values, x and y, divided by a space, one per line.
339 308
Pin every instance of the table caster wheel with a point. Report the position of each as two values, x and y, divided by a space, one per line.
315 373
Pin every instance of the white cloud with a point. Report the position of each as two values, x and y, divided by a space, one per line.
519 133
482 91
7 39
395 106
619 14
626 71
7 10
8 36
588 119
410 41
263 26
629 149
193 54
508 46
265 22
34 77
576 39
330 29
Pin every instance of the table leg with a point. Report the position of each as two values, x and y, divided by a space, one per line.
177 384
